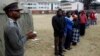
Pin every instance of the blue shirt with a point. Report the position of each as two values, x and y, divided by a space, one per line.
69 24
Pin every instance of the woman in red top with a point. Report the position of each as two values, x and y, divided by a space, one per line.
93 18
83 20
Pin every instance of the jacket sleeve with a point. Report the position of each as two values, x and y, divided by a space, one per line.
54 24
63 24
16 40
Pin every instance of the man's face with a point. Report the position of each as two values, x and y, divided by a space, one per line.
64 14
60 13
15 14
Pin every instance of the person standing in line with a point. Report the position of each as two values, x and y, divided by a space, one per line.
65 31
58 24
83 20
14 40
88 19
96 17
93 18
76 27
68 31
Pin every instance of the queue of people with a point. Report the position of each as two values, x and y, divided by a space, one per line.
68 27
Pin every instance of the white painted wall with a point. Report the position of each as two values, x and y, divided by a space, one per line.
44 6
72 6
80 6
41 5
56 6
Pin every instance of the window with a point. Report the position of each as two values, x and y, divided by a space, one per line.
34 3
55 3
56 7
42 7
63 4
29 7
40 3
29 3
22 3
34 7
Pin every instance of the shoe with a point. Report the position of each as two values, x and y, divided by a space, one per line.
64 50
69 48
61 54
56 54
74 43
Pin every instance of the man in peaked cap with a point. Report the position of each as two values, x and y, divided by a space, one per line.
14 41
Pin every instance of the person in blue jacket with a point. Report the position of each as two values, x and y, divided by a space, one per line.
68 31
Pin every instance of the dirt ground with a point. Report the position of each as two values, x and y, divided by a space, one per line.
89 44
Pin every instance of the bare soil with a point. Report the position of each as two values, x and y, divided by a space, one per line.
89 44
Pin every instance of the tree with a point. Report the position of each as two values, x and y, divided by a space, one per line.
95 5
87 3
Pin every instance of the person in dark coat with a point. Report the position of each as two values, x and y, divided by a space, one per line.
58 24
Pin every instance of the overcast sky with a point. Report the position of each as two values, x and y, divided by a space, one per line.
73 0
67 0
98 0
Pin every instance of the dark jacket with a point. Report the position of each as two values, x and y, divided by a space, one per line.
76 23
58 23
69 25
